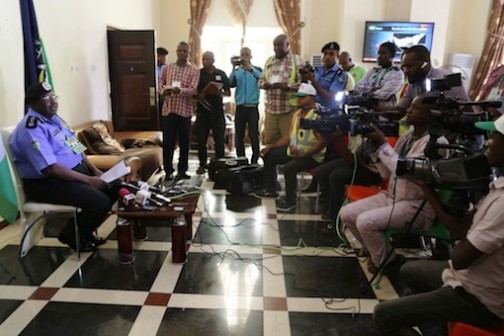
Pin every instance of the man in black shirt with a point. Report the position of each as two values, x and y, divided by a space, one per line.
213 85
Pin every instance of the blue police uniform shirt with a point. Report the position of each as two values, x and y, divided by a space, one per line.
247 86
39 142
334 80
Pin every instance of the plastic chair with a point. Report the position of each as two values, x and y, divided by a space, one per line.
31 213
462 329
311 172
436 231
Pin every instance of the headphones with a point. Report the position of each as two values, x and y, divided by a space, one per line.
424 64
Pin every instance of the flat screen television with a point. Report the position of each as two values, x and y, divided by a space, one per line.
402 34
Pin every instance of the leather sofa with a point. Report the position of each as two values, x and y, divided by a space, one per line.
145 145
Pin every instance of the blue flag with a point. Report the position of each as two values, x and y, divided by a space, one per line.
35 62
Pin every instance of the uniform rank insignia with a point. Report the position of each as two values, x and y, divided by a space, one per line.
31 122
35 144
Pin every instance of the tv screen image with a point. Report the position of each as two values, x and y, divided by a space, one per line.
402 34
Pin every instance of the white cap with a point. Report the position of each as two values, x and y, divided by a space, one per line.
306 89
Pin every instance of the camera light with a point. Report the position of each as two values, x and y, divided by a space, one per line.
428 85
339 96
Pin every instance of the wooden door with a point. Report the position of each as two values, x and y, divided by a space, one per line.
132 68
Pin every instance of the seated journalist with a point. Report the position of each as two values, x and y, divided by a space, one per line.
469 287
54 169
368 218
299 150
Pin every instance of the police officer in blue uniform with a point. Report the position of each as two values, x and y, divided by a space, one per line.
54 169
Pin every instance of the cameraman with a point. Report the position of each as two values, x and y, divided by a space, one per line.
330 78
245 78
384 81
468 288
417 67
369 217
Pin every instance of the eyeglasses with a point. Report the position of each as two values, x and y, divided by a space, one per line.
49 97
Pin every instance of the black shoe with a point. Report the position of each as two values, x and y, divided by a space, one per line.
88 246
168 177
85 246
98 241
283 205
263 193
183 176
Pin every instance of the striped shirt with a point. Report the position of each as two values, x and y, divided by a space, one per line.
279 71
188 76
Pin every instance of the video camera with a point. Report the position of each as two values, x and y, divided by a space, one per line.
236 60
464 169
361 122
365 100
355 122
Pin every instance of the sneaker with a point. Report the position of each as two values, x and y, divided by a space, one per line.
200 170
182 176
263 193
283 205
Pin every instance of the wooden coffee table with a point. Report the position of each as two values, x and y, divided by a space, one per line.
138 219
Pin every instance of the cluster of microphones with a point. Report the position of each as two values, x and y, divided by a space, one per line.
141 195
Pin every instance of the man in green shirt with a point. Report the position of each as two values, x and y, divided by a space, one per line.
346 63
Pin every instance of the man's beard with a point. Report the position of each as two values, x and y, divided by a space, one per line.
419 77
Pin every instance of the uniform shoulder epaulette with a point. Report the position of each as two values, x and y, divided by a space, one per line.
339 71
31 122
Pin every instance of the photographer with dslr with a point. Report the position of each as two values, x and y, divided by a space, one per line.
384 81
368 218
468 288
245 78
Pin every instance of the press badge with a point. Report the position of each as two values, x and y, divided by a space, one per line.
75 145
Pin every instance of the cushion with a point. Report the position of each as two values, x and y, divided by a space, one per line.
101 141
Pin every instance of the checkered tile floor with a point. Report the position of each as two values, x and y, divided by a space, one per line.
250 271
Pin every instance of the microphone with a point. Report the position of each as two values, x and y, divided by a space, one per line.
126 197
143 196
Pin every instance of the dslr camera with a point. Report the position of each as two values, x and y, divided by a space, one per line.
236 60
307 68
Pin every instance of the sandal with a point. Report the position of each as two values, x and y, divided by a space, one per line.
371 267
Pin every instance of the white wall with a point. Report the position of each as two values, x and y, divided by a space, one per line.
74 33
75 36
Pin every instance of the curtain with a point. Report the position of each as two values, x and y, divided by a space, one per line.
288 13
199 14
492 51
240 10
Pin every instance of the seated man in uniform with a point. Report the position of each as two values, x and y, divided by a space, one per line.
54 169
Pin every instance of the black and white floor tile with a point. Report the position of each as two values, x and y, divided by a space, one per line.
250 271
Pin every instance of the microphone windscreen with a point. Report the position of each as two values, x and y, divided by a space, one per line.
123 192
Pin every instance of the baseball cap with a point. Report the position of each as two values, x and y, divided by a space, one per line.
306 89
497 125
35 91
331 46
